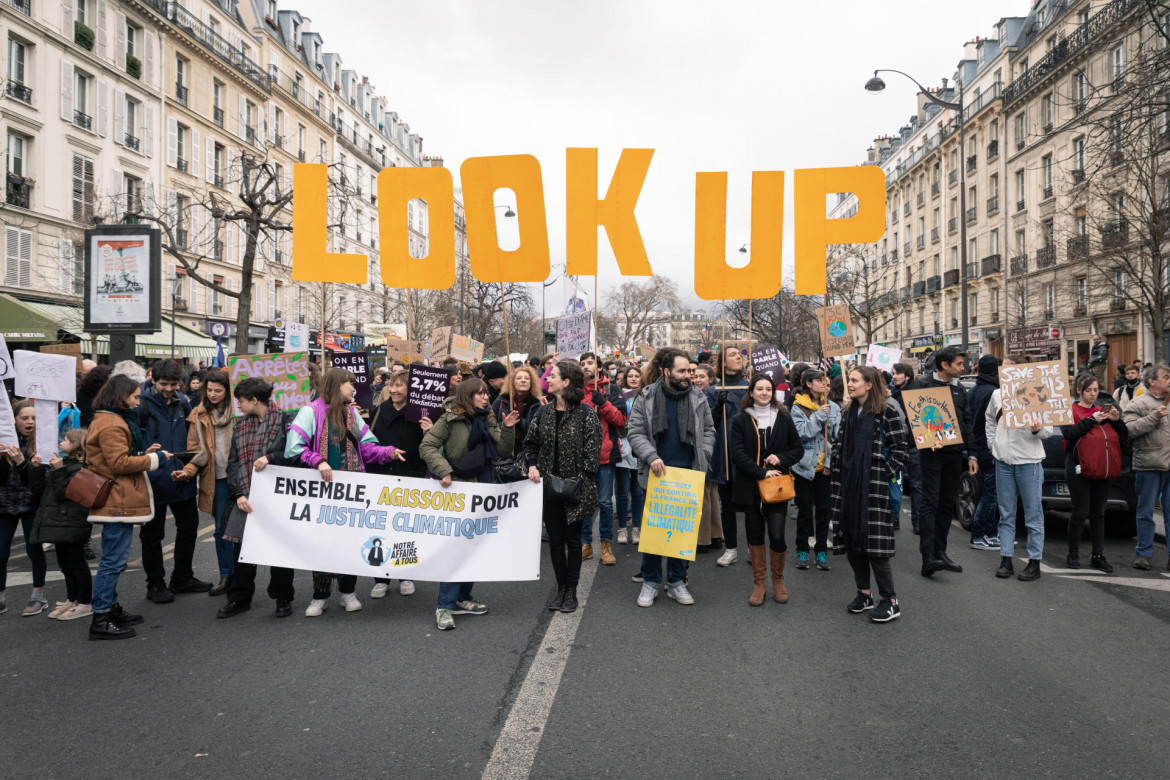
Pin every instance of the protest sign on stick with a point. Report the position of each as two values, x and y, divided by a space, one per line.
426 390
573 334
883 358
466 348
412 351
836 330
674 503
1035 391
440 345
358 364
767 359
931 414
287 372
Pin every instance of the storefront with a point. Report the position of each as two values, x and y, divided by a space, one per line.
1078 341
993 337
1036 343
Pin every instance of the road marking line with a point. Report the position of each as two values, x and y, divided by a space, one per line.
1129 582
515 748
169 550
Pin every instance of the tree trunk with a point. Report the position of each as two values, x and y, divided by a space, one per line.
244 309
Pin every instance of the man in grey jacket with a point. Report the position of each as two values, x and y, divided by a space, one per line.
670 425
1149 433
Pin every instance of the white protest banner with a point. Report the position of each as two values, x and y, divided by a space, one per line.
6 369
287 372
7 420
45 376
46 429
426 390
573 334
1035 391
296 337
883 358
381 526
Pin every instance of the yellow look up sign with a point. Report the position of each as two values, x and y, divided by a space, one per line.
670 522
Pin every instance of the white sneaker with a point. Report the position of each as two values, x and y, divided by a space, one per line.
350 602
315 608
635 535
405 588
728 557
621 536
678 591
377 592
648 594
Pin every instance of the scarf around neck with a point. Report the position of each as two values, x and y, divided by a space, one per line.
686 417
856 458
219 418
137 446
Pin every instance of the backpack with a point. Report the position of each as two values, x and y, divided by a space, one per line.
1099 453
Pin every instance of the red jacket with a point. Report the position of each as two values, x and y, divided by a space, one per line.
612 418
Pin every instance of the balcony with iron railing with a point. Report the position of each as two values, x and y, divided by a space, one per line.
82 120
212 40
181 164
1081 309
906 208
972 163
921 199
250 134
973 269
1117 304
1077 247
18 191
300 155
217 249
992 205
1019 264
217 180
1115 234
993 149
921 242
179 304
181 94
894 253
952 178
934 237
1046 256
933 284
181 238
904 293
906 249
952 224
919 289
935 190
1046 193
1063 50
131 141
972 214
24 6
1020 204
951 277
217 116
992 264
19 91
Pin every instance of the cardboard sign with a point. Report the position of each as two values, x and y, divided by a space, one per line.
426 390
883 358
358 364
412 351
439 345
45 377
466 348
573 333
931 414
769 360
7 370
674 503
836 330
287 372
648 352
1035 391
73 350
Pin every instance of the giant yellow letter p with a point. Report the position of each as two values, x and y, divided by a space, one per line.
815 231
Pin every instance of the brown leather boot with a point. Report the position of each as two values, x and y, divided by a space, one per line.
779 592
759 558
607 557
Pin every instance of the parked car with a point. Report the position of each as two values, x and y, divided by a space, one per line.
1120 510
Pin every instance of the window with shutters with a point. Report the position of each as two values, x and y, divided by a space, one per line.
17 145
132 191
17 57
17 257
131 139
181 148
77 269
81 14
83 192
216 296
81 115
132 34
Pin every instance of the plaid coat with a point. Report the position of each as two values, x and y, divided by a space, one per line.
889 455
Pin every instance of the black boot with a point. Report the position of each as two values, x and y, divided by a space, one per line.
556 599
124 618
221 587
1005 569
101 627
1098 562
569 603
88 551
1030 572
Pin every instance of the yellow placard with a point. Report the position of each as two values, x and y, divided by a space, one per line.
670 522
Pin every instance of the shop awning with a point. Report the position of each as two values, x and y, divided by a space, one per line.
24 321
189 343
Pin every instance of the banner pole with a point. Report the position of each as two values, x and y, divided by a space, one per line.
507 347
408 315
324 285
595 304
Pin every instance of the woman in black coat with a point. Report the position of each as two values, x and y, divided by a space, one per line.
764 443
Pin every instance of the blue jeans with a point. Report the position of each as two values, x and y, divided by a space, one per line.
605 478
1024 482
224 551
1151 486
451 592
621 484
676 569
984 522
116 538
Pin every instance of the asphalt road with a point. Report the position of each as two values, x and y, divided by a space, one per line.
1059 677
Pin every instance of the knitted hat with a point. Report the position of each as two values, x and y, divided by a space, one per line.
494 370
989 364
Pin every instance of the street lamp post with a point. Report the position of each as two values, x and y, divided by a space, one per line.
875 84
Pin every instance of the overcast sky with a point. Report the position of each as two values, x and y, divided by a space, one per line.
733 86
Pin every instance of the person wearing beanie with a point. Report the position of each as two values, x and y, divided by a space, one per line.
495 374
984 526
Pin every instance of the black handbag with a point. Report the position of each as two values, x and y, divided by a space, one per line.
509 470
560 489
470 464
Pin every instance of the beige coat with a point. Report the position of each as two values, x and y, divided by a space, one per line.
200 419
1149 433
107 452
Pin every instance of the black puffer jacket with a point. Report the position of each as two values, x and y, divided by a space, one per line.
15 496
58 520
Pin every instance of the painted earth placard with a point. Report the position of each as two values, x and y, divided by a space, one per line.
931 414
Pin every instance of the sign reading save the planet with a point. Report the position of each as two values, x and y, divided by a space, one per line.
836 330
931 414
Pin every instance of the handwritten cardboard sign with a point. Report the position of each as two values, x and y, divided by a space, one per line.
409 351
426 390
1035 391
358 364
836 330
648 352
883 358
73 350
931 414
287 372
439 344
466 348
573 333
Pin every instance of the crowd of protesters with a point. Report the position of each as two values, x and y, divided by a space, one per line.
836 444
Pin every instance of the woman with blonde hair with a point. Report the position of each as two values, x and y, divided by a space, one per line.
520 392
